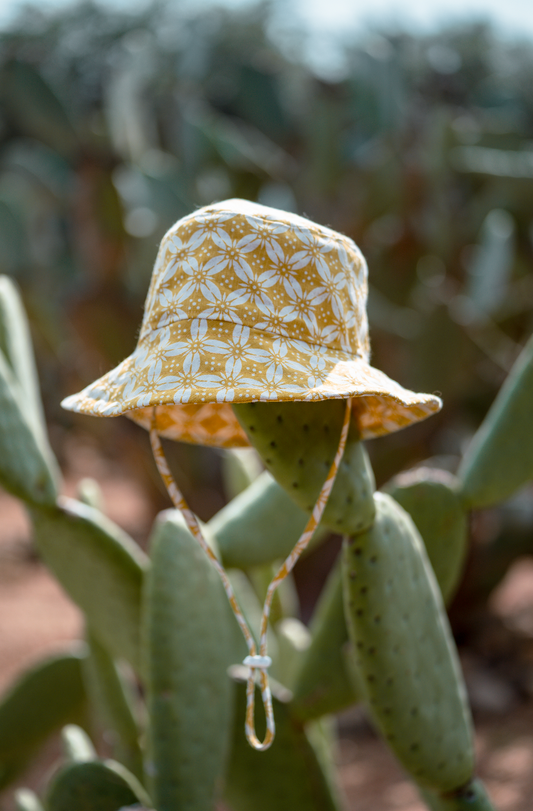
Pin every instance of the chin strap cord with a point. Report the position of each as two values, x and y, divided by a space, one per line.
257 661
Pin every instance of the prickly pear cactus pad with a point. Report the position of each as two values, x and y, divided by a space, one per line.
44 698
100 567
26 469
261 525
405 653
19 376
187 643
93 786
431 497
297 443
500 457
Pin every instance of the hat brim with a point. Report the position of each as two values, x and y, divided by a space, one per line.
193 371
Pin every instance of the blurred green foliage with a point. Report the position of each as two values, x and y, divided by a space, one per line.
114 124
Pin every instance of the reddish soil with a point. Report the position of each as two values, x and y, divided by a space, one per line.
37 618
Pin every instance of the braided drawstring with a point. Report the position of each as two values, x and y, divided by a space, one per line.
256 660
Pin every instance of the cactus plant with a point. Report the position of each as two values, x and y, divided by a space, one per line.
404 650
380 633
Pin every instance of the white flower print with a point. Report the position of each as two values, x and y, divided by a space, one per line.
229 380
255 286
353 266
264 231
337 380
274 320
315 368
181 252
316 246
340 330
197 346
282 265
239 347
231 252
276 358
303 302
334 284
208 223
272 385
224 304
100 393
306 348
278 350
199 277
141 387
158 351
170 301
188 379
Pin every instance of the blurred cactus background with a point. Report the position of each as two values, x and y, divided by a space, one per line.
113 124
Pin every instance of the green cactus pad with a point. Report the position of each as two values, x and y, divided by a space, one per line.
259 526
405 652
472 797
77 746
26 469
293 640
431 498
15 344
112 699
322 684
188 645
285 602
94 786
240 467
101 569
287 777
297 443
26 800
44 698
500 457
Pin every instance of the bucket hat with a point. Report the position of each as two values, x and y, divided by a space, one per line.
250 303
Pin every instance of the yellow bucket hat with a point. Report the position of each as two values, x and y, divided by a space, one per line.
248 303
251 303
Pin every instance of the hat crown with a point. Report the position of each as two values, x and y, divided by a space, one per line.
243 263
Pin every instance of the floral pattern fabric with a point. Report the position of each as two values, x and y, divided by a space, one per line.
250 303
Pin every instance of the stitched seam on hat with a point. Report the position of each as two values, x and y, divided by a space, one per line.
274 335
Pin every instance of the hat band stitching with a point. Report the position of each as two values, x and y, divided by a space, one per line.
144 333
